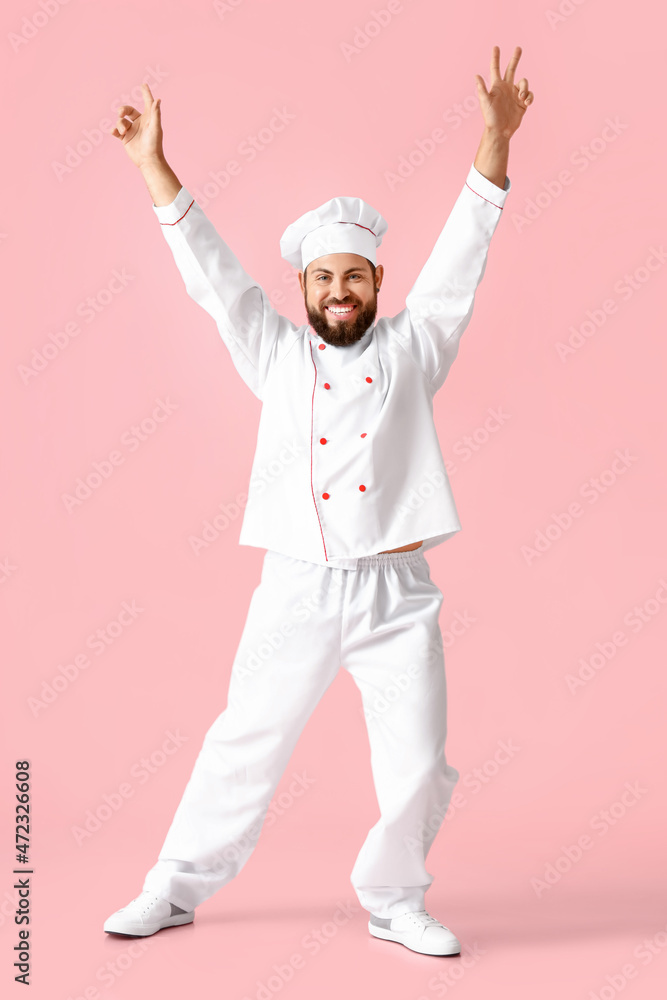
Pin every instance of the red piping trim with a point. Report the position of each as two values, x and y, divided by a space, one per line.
360 227
485 199
312 413
182 217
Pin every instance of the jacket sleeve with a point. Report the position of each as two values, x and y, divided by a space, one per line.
255 334
440 303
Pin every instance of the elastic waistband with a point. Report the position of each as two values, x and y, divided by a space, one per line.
411 556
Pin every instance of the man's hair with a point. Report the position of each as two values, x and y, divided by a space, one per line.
369 262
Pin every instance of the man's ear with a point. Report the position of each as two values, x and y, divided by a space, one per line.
302 281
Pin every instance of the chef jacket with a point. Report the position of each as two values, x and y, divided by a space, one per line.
348 461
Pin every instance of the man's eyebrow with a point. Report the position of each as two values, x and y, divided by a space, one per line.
325 271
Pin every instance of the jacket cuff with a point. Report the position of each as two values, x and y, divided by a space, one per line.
486 189
169 215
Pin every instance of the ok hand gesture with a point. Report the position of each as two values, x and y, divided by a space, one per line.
141 134
504 105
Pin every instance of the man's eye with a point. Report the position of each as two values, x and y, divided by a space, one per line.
325 276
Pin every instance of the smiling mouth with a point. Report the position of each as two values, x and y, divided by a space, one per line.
340 312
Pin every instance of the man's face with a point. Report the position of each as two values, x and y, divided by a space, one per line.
340 294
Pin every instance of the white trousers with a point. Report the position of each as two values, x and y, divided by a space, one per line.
380 622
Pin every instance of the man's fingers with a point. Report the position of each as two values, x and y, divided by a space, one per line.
512 64
123 126
481 86
148 97
495 64
127 111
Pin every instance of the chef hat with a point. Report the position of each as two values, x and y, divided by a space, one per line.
341 225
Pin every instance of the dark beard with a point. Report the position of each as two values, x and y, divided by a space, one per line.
345 332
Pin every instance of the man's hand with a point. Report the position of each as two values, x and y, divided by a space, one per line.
504 105
141 134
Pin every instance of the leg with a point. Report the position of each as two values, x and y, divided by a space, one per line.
283 666
393 649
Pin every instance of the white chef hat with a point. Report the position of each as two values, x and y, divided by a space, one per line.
341 225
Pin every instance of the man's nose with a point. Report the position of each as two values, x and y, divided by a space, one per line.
339 289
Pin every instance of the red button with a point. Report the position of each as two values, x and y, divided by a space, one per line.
362 488
364 434
326 385
325 496
323 440
322 346
368 378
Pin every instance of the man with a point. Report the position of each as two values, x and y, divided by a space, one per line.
348 489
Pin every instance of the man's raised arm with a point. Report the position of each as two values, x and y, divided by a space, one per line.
256 335
440 303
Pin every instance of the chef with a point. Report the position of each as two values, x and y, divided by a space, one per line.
348 489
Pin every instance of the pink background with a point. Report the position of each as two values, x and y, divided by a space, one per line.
65 574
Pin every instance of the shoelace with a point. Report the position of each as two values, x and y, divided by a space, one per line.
146 898
423 918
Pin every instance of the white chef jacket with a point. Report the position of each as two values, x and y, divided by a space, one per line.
348 461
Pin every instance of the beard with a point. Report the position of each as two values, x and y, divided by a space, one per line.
345 331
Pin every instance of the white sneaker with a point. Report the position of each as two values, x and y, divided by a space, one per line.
145 915
418 931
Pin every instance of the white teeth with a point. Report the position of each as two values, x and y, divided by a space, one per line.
340 312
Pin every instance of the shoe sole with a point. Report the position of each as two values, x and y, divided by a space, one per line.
145 931
386 935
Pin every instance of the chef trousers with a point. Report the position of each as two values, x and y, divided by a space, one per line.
380 622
